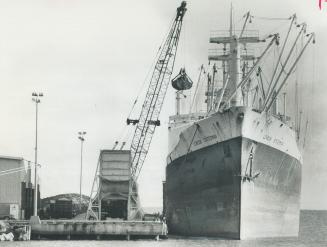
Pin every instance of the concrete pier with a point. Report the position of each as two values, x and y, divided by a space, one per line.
71 229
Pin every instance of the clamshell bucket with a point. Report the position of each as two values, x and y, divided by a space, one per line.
182 81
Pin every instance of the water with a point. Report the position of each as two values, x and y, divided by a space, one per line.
313 232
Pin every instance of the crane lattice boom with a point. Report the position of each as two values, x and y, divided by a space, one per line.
148 119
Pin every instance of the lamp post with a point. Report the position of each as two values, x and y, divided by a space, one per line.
36 99
81 137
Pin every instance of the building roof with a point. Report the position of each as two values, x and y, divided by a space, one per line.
10 157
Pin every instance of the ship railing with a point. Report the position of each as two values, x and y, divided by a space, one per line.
225 33
221 52
186 118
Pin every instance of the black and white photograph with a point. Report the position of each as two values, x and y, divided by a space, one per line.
163 123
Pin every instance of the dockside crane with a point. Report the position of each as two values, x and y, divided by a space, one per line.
149 117
145 126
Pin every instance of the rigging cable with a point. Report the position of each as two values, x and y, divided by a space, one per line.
296 100
283 67
272 89
282 26
301 91
299 74
272 18
197 126
281 53
222 93
310 39
196 88
311 95
123 134
264 77
202 99
247 16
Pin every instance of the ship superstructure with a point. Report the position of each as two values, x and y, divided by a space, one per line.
234 170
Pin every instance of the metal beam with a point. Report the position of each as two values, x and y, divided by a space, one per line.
242 83
289 72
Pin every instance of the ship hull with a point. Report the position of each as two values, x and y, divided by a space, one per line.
235 186
203 192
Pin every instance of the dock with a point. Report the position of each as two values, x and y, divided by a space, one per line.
85 229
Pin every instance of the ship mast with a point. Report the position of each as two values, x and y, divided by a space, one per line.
234 64
231 58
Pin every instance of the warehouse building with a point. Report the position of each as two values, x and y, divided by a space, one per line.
16 189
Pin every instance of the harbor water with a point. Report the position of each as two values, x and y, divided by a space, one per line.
313 232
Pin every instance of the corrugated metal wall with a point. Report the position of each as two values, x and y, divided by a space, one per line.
15 188
10 185
115 165
115 175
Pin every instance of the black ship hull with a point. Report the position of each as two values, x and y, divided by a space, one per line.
221 190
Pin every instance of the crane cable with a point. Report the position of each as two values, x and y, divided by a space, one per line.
271 18
151 68
145 80
124 134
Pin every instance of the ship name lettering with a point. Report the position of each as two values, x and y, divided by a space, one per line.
196 143
278 142
209 138
267 137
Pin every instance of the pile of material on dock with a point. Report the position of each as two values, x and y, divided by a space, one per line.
13 232
63 206
5 233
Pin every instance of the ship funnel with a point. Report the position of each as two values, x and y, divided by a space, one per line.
182 81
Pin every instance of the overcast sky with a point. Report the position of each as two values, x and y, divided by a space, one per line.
90 58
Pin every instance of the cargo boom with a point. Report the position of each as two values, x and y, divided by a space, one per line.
234 171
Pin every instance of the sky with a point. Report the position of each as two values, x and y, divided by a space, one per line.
90 59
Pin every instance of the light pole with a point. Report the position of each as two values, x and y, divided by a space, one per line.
81 137
36 99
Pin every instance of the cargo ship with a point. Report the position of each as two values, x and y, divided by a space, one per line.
234 170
